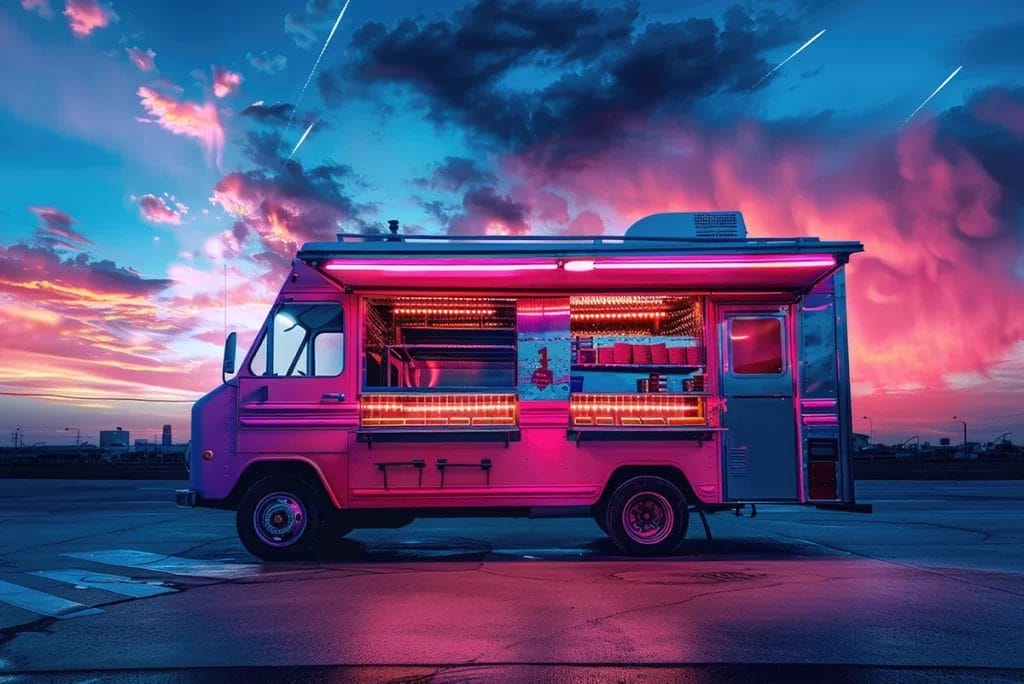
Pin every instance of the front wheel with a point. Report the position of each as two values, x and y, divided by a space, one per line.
279 519
647 516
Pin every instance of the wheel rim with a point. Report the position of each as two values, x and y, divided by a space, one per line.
279 519
648 518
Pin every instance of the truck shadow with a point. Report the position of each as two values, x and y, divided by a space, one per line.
464 549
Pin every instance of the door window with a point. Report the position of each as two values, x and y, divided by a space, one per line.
302 339
756 345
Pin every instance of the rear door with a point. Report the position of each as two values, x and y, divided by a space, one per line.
757 382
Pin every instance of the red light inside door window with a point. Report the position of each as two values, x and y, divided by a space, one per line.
756 346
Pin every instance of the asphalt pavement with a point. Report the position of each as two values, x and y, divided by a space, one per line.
104 581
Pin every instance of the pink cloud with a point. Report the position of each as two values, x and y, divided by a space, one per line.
225 82
40 7
933 293
55 230
586 223
200 122
85 16
155 210
280 212
144 60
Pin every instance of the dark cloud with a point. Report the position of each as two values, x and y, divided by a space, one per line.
485 211
55 231
811 73
71 281
264 149
998 46
284 205
317 15
279 112
453 174
465 70
265 63
441 211
990 128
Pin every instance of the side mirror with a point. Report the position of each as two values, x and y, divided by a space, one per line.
230 345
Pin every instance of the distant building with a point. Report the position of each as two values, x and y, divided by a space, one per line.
141 441
860 441
114 439
166 438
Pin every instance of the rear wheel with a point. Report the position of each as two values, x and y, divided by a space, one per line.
279 519
647 516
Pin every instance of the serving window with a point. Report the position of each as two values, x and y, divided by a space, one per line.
637 361
456 344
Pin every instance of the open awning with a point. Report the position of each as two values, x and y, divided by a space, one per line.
580 273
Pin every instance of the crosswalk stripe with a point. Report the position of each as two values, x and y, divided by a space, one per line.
172 565
42 603
125 586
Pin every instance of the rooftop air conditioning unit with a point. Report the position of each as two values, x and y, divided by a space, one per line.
708 225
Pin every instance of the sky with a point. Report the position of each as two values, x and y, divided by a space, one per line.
150 168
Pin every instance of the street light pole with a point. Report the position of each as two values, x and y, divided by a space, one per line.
871 428
959 420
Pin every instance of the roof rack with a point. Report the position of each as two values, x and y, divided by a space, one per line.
571 239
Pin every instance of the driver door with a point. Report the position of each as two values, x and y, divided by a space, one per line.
295 392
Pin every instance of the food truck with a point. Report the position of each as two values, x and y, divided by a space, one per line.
680 368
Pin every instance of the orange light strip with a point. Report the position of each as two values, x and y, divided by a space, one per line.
631 410
618 316
445 312
438 410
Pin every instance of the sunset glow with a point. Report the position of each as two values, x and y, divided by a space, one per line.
151 207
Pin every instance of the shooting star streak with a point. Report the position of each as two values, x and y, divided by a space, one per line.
301 140
934 93
316 64
797 52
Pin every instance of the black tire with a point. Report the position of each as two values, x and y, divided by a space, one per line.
280 519
647 516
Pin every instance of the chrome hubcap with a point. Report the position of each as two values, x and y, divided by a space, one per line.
279 519
648 518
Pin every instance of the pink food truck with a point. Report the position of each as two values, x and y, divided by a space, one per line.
679 368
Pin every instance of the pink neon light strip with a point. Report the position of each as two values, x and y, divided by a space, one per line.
818 403
439 267
701 264
692 263
818 419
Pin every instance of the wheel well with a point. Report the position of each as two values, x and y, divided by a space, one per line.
670 473
261 469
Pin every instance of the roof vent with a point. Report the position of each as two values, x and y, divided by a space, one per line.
707 225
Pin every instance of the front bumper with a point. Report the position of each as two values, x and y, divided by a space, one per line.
185 498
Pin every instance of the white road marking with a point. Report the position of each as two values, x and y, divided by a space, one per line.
42 603
172 565
125 586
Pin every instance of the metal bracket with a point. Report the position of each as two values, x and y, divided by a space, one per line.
485 465
417 463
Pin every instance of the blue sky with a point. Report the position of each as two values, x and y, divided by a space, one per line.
463 116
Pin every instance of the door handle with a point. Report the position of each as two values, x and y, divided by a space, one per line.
339 396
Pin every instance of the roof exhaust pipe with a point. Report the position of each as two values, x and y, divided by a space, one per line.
393 227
